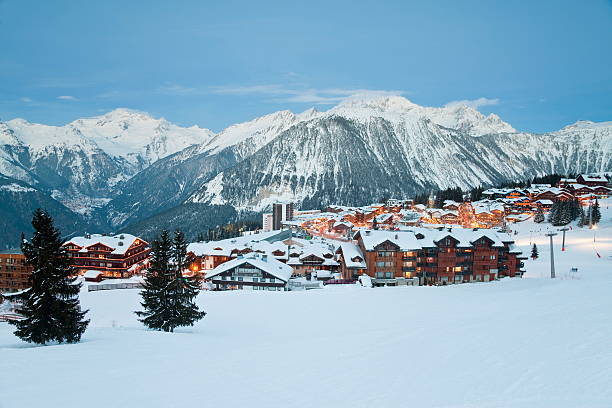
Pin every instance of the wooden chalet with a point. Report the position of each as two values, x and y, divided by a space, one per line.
118 256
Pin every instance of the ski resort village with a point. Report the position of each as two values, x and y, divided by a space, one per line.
322 204
485 287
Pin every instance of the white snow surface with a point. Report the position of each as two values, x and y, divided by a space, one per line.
125 133
398 110
515 343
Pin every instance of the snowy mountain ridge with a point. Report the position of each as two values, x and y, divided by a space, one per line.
126 166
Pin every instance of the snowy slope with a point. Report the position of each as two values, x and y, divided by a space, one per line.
360 151
514 343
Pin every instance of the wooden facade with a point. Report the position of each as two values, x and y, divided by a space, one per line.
15 275
443 263
108 256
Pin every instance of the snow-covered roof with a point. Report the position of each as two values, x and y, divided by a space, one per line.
92 273
225 247
586 177
350 252
118 243
262 262
408 240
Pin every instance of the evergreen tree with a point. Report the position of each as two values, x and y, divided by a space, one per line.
566 212
168 298
582 218
154 296
534 252
555 213
596 214
51 306
539 216
183 289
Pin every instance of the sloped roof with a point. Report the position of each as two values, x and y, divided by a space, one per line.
262 262
118 243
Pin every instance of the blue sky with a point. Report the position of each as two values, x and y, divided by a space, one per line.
540 65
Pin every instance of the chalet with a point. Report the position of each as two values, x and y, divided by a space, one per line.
451 205
307 259
438 256
544 204
341 227
118 256
601 191
15 274
352 261
251 272
592 181
554 194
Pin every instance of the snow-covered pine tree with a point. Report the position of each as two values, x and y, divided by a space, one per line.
576 209
155 299
596 213
566 211
555 213
51 306
539 216
183 289
534 252
582 218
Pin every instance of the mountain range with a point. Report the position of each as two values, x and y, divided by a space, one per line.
126 170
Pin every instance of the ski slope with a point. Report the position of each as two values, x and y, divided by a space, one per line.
528 343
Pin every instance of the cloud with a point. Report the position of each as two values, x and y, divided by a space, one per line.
25 99
176 89
325 96
473 103
67 98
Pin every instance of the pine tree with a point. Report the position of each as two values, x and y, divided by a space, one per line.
51 306
534 252
183 289
582 218
555 213
539 216
565 213
154 296
168 298
596 213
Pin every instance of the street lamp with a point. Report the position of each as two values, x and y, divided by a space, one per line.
563 244
552 254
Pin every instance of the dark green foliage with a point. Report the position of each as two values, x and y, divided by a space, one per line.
596 213
168 295
193 219
564 211
154 296
51 306
421 199
455 194
476 193
183 289
582 218
230 230
539 216
534 252
552 179
16 208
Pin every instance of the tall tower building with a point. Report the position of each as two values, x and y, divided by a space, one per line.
281 212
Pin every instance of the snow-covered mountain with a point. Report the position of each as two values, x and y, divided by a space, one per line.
361 151
127 166
90 156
